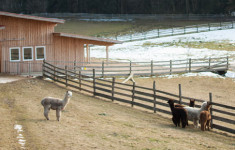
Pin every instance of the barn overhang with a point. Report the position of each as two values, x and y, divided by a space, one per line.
29 17
88 40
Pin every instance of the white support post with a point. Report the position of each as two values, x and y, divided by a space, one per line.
107 53
87 53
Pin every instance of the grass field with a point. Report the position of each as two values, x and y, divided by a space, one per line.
91 123
92 28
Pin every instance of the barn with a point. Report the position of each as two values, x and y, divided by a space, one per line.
25 41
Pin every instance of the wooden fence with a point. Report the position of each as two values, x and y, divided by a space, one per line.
105 69
150 99
175 31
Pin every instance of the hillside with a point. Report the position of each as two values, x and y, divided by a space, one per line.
90 123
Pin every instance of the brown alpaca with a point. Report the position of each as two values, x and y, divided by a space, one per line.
55 104
192 103
205 118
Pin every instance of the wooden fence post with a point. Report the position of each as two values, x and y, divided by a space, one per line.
102 69
154 96
66 76
80 81
130 67
180 94
189 65
43 68
220 25
227 62
170 67
209 63
184 29
211 110
94 91
54 73
209 27
113 84
197 28
158 32
133 95
172 31
151 67
74 66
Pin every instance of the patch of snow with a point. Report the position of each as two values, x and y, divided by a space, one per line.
6 79
230 74
140 51
20 136
201 74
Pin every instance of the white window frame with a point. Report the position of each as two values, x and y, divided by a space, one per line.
18 51
36 57
23 54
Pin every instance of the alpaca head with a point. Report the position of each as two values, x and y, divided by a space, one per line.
204 105
69 94
192 103
208 106
170 101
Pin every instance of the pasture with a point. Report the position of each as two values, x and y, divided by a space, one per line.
91 123
95 28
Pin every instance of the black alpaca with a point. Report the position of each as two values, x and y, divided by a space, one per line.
179 114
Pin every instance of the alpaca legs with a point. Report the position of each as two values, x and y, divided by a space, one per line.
203 125
195 123
58 114
208 124
46 111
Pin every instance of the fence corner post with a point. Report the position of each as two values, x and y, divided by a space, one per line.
180 94
211 110
154 97
94 90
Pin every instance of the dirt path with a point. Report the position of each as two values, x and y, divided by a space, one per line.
91 123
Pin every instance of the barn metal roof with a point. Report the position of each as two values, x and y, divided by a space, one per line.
2 13
82 37
2 27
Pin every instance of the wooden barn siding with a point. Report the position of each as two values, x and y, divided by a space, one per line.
34 33
68 49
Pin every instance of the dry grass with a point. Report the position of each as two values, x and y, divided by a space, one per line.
91 123
119 28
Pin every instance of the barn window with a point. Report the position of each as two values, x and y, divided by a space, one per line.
15 54
40 52
27 53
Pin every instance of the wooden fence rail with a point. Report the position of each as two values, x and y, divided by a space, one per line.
151 99
105 69
157 33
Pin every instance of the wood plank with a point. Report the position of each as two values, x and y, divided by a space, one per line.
216 126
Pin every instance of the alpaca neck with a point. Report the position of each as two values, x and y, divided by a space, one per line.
65 101
172 107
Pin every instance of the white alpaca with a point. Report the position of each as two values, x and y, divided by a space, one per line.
194 113
55 104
